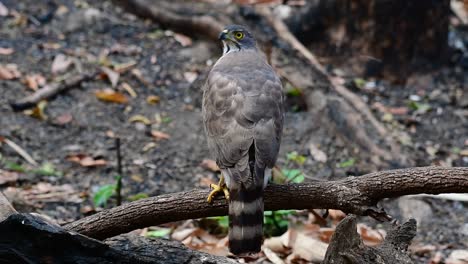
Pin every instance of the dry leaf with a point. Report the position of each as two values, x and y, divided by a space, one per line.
458 257
190 76
61 63
317 154
370 237
109 95
272 256
3 10
50 45
210 165
34 81
38 111
158 135
140 118
183 39
182 234
86 161
6 51
7 177
111 75
337 215
308 248
129 89
126 50
9 72
123 67
63 119
110 134
137 178
153 99
137 73
437 258
326 234
275 244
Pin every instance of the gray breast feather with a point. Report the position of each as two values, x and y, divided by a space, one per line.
242 106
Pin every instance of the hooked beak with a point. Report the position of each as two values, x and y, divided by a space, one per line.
223 35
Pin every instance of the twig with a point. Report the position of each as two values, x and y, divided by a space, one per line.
49 91
357 195
21 152
118 187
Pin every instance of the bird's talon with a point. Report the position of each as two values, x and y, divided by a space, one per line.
221 186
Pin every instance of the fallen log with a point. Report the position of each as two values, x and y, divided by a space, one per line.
356 195
28 238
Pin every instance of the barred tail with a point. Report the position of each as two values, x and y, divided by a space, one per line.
245 220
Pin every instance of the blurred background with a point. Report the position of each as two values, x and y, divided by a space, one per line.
370 85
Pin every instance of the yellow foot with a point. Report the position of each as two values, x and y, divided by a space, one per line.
221 186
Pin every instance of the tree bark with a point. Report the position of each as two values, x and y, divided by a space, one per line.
357 195
346 246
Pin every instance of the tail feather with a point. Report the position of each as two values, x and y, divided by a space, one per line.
245 220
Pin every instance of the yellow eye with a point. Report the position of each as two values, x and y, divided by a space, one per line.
239 35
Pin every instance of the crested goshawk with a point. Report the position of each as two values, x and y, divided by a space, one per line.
243 118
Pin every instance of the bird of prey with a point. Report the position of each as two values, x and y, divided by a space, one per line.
243 118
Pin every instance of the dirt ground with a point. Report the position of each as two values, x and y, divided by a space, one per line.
429 117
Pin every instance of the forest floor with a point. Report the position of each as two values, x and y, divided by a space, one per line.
72 138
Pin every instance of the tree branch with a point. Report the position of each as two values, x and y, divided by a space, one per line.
357 195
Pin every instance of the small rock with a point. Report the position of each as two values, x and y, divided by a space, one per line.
414 208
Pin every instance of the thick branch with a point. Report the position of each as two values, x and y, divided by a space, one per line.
357 195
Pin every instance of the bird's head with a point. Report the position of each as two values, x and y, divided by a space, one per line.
236 38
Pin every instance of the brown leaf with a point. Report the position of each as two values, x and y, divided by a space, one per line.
459 256
86 161
34 81
210 164
111 75
108 95
183 39
63 119
309 249
158 135
370 237
326 234
153 99
61 63
8 177
336 214
38 111
139 118
6 51
129 89
9 72
50 45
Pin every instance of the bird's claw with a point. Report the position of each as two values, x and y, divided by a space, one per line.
221 186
